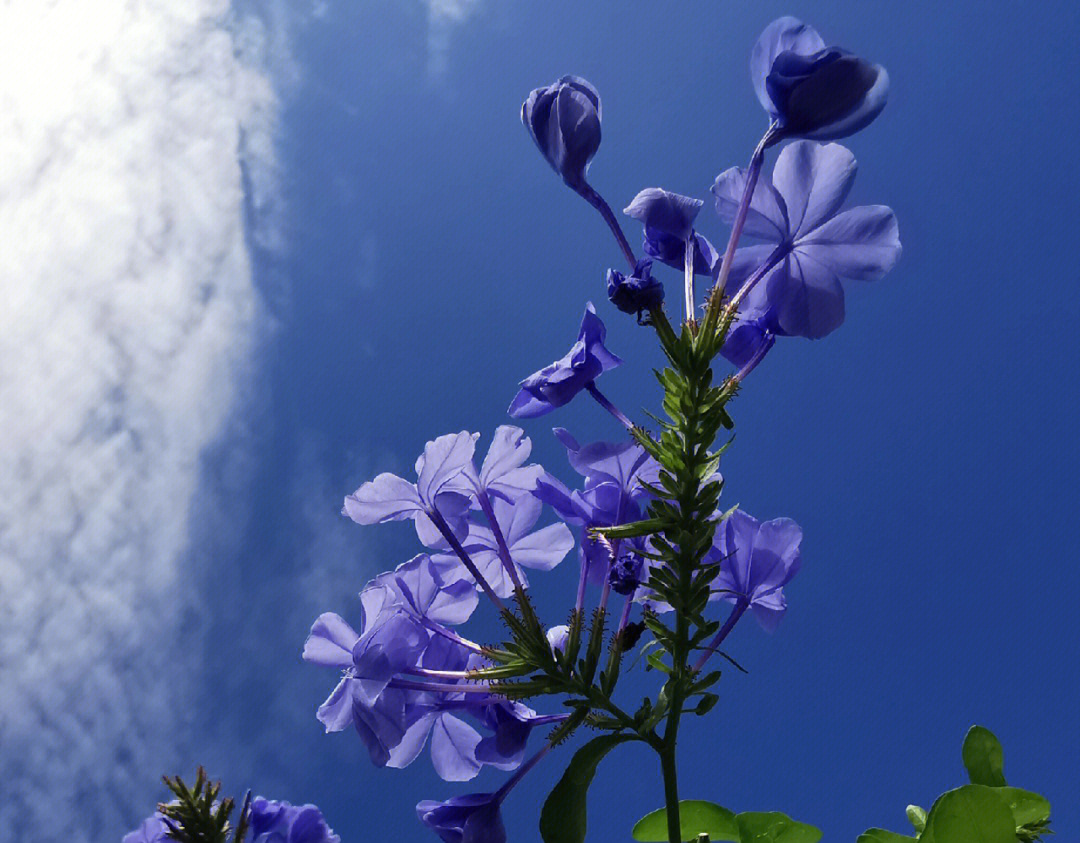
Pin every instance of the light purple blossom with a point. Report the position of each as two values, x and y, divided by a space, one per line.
281 822
757 559
813 244
541 549
392 498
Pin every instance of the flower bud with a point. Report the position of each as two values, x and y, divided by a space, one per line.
564 120
813 91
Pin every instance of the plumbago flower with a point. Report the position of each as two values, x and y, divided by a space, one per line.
557 383
646 507
814 91
791 287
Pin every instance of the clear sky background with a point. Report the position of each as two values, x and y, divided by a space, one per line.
406 257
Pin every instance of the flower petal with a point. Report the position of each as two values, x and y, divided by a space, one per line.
767 217
861 243
453 749
544 549
443 460
330 642
786 33
814 180
386 498
807 296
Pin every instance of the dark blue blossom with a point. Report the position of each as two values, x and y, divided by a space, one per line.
556 384
810 90
813 244
757 559
637 292
613 492
626 572
281 822
473 818
668 219
564 120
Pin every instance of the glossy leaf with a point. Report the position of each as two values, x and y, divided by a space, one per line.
970 814
774 827
695 817
563 818
880 835
983 757
1027 808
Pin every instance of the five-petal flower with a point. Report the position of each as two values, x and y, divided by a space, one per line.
815 243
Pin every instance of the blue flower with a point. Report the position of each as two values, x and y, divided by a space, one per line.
564 120
152 830
815 244
542 549
668 219
434 495
810 90
281 822
556 384
473 818
637 292
757 559
503 473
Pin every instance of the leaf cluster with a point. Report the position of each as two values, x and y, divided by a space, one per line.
985 811
198 816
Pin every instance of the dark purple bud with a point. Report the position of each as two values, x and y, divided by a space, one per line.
564 120
637 292
811 90
473 818
625 574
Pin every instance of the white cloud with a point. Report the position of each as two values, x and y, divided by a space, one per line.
444 16
128 317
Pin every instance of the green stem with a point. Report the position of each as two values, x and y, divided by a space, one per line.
671 780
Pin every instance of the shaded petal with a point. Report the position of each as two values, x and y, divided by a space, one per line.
330 642
807 296
409 746
453 749
743 264
786 33
509 448
767 217
386 498
861 243
442 461
769 610
336 713
670 213
814 180
867 86
544 549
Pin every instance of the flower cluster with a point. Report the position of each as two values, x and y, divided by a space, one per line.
644 513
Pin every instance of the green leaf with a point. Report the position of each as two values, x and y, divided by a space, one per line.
695 817
563 819
973 813
774 827
917 817
984 757
880 835
1027 808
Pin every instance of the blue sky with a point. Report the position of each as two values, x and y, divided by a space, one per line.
412 257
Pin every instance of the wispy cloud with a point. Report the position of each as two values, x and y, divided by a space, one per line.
444 16
128 316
